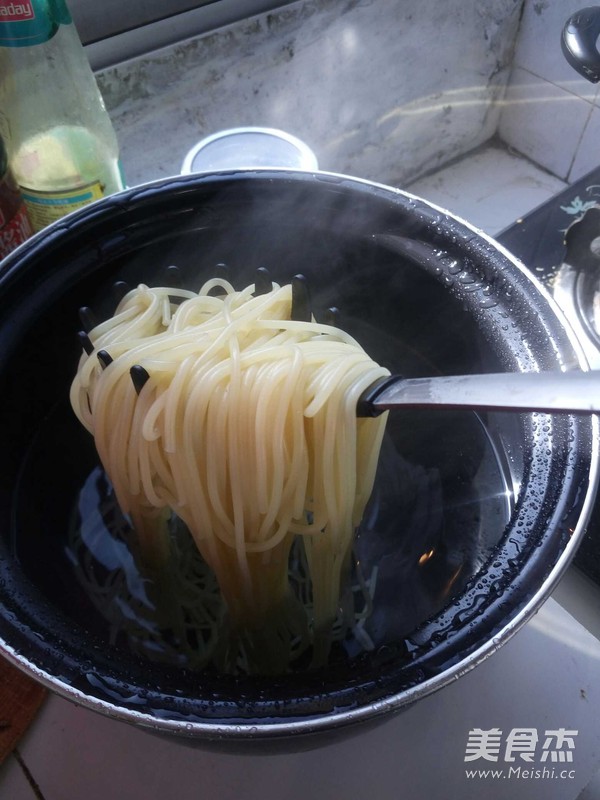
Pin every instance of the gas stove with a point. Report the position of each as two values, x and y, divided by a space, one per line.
560 243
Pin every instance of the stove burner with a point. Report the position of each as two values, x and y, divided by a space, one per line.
559 242
576 285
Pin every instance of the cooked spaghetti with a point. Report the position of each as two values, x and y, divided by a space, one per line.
246 429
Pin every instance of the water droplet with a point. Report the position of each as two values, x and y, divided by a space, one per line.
488 303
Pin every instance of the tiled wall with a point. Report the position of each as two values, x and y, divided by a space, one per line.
381 89
550 114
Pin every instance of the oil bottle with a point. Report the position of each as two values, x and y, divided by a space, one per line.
63 149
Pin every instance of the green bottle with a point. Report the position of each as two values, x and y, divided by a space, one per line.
63 149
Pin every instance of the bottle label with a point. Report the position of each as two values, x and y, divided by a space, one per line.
29 22
14 231
46 207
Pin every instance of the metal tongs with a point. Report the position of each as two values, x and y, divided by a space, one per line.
573 391
552 392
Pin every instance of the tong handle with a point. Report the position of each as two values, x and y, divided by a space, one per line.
574 391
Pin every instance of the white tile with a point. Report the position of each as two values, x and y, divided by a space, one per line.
490 188
538 44
543 122
592 790
587 156
13 783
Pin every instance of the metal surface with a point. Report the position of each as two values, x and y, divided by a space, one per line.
536 391
576 283
247 148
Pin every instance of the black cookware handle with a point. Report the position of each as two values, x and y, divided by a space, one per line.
579 42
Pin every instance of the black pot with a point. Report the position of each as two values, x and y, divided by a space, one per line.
501 499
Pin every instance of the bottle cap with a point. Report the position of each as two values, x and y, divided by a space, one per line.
31 23
239 148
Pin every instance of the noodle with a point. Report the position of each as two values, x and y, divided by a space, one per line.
246 429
